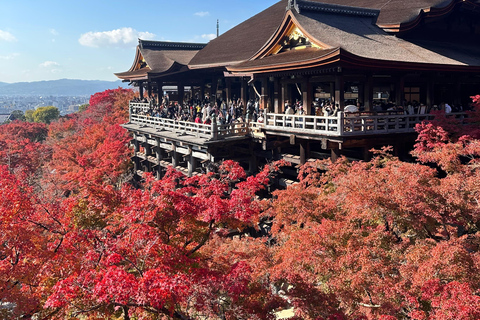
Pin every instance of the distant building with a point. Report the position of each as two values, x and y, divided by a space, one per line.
4 118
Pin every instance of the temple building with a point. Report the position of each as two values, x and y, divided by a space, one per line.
373 69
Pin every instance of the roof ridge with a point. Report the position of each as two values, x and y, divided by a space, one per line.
300 5
167 45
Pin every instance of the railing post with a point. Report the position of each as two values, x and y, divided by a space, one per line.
214 130
340 124
130 112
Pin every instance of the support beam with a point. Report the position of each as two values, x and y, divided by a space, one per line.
140 89
303 152
174 155
264 93
244 91
192 162
158 154
335 154
430 101
307 96
277 103
400 91
339 91
228 89
181 93
284 95
368 93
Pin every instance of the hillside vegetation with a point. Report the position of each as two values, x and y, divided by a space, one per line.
382 239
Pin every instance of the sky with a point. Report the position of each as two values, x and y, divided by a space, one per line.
92 39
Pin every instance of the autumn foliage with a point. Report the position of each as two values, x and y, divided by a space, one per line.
382 239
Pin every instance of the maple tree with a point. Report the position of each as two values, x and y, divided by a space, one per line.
382 239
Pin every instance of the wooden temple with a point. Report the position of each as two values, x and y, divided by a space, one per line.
371 54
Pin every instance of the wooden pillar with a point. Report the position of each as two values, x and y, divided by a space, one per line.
284 95
192 162
276 96
140 88
368 93
149 89
263 93
430 100
136 149
400 91
303 152
228 89
339 91
202 91
213 90
307 96
244 91
181 93
148 152
158 154
174 155
335 154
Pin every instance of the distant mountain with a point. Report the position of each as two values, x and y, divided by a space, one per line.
62 87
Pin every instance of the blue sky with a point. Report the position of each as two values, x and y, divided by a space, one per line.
90 40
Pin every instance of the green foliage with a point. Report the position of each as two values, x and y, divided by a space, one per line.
29 115
17 115
46 114
83 107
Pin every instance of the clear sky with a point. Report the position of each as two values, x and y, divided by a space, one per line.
92 39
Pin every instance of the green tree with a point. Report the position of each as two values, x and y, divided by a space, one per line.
29 115
46 114
17 115
83 107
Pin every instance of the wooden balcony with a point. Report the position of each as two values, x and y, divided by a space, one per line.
342 125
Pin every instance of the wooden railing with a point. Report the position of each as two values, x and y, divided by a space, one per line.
349 124
342 124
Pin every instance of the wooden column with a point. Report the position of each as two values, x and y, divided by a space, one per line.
430 100
303 152
148 152
244 91
276 96
400 91
202 91
307 96
174 155
149 89
213 90
335 153
368 93
263 93
140 88
158 154
192 162
284 95
228 89
339 91
136 149
181 93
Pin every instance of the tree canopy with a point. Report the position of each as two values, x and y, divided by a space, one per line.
382 239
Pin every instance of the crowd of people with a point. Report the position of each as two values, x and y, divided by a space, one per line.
198 110
206 111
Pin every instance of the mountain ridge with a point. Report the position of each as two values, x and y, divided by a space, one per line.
61 87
